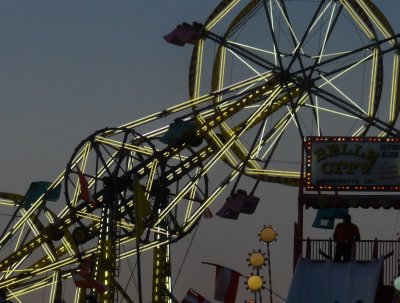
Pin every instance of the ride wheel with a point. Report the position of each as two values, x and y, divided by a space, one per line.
111 161
118 156
313 68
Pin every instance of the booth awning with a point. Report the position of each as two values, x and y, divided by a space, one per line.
352 201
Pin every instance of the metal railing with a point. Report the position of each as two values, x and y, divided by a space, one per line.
365 250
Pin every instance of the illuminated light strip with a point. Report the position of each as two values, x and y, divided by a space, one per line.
238 105
242 150
330 55
217 156
253 48
7 197
212 197
25 217
143 248
321 15
289 26
199 60
41 284
281 126
156 132
372 93
44 245
286 118
70 260
318 118
77 295
83 162
4 202
33 207
54 265
189 185
261 76
4 284
277 133
326 34
63 240
150 179
328 81
291 114
182 106
54 286
222 14
274 106
228 155
247 82
368 32
11 269
27 249
14 265
347 69
192 197
275 173
250 67
14 296
382 134
123 224
50 267
64 212
89 216
271 16
256 149
131 161
221 70
28 289
394 98
19 237
271 108
332 111
126 146
376 15
18 270
217 140
344 95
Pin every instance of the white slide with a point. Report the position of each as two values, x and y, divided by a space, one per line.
334 282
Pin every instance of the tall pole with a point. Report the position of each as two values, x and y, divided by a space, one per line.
139 270
139 213
268 234
106 247
269 272
161 254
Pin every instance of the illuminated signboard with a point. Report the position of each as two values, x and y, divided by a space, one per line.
346 163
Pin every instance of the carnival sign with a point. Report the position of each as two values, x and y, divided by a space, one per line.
347 163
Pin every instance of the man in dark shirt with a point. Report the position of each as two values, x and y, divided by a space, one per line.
345 235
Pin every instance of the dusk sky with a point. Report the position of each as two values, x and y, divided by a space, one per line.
69 68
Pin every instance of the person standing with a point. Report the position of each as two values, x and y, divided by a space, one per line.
345 235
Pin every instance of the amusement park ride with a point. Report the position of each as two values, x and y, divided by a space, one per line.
261 80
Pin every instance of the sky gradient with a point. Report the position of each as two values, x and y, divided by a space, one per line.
69 68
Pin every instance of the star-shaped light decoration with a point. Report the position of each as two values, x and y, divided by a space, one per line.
268 234
257 259
255 283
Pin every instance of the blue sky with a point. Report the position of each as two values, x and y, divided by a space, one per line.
69 68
